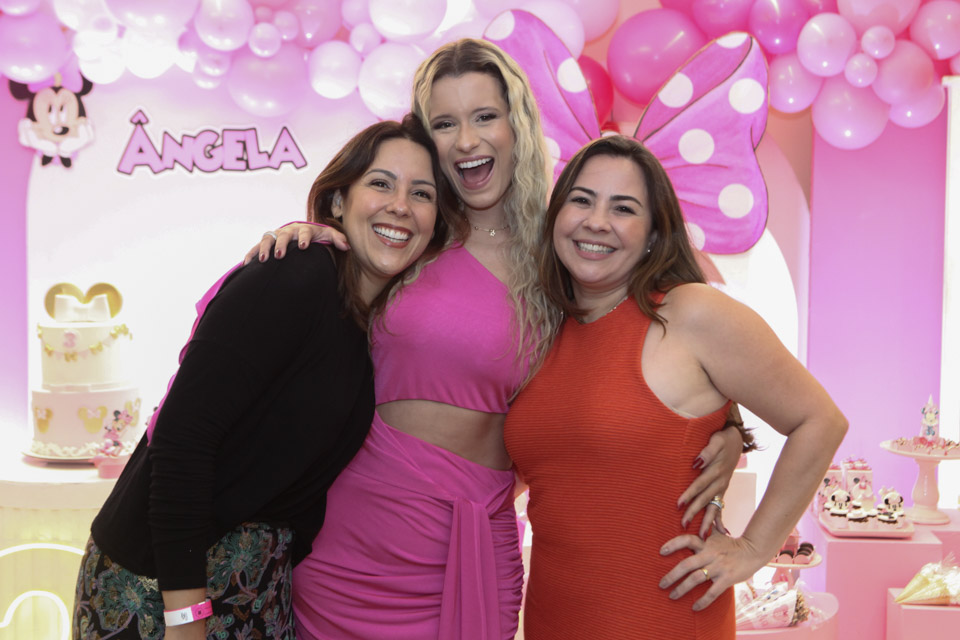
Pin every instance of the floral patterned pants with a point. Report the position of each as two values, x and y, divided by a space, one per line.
248 580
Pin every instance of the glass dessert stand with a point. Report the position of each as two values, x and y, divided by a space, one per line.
926 494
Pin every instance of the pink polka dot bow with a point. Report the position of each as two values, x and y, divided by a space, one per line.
703 125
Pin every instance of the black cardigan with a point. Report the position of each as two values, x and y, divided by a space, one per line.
273 398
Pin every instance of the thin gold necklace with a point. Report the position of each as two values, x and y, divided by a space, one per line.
608 311
492 232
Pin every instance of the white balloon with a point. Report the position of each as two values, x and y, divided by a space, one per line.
148 56
73 13
107 68
386 76
364 38
407 20
334 68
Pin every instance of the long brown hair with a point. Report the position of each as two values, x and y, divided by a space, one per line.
671 260
348 166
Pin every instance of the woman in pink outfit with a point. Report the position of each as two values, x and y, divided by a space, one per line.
420 536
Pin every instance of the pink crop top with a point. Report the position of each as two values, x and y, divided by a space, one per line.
448 337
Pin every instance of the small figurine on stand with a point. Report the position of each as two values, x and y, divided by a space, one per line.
110 457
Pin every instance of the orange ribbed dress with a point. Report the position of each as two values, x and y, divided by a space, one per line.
606 461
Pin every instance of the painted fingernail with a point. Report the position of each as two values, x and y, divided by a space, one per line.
681 505
698 462
262 257
302 244
684 523
703 535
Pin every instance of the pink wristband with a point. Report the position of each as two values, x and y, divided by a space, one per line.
199 611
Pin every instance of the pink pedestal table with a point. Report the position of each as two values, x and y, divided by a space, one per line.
908 621
860 570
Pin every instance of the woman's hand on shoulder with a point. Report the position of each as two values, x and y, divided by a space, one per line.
303 233
720 559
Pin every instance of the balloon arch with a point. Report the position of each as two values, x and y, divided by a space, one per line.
858 64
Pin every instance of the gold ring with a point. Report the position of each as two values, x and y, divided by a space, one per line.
706 573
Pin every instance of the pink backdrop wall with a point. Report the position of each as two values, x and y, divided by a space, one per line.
876 286
14 170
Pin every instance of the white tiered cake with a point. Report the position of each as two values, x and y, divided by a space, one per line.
86 405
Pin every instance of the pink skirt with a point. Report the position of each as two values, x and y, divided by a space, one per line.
418 543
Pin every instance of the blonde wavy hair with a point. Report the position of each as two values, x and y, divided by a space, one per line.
526 199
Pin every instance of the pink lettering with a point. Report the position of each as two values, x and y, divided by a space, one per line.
177 152
256 159
286 150
139 152
207 156
232 150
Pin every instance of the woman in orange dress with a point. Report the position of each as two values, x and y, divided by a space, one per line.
642 371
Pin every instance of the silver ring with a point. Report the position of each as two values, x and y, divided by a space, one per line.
717 502
272 234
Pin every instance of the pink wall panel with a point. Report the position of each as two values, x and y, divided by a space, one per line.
14 173
876 286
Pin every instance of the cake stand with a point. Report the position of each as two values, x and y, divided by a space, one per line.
926 494
788 571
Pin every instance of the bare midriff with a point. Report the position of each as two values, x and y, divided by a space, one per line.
474 435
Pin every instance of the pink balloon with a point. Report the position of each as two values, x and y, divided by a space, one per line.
385 78
955 65
893 14
904 74
861 70
19 7
601 88
684 6
263 14
490 8
562 20
265 39
647 48
319 20
355 12
792 87
937 28
333 68
717 17
364 38
32 47
825 43
920 111
168 16
777 23
847 117
287 24
596 16
213 63
224 24
820 6
877 42
268 87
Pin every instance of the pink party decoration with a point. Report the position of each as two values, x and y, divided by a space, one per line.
921 110
955 65
937 28
224 24
333 67
490 8
647 48
204 80
19 7
596 16
847 117
73 13
319 20
684 6
893 14
406 20
212 62
904 74
792 87
268 87
385 78
601 88
263 14
861 70
877 42
168 16
777 23
825 43
717 17
265 39
703 125
355 12
364 38
32 47
562 20
820 6
288 25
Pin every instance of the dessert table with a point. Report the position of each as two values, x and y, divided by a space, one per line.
45 515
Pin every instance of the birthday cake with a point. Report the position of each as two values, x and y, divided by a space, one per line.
86 405
929 441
